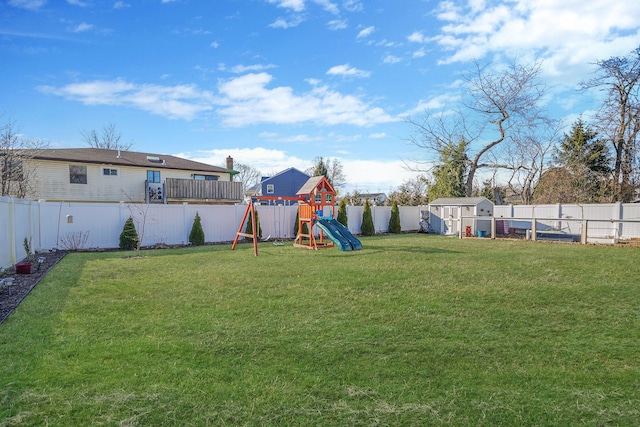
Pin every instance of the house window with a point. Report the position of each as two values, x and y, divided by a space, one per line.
318 198
12 170
153 176
109 172
205 177
329 198
270 188
77 174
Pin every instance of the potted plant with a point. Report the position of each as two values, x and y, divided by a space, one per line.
24 267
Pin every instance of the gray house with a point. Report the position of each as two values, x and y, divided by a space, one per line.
445 215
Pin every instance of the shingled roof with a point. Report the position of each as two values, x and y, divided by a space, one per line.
124 158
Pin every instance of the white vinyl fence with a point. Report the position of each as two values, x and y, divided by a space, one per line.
49 225
54 224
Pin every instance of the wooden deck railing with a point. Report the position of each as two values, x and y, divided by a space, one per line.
191 189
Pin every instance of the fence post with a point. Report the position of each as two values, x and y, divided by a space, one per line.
619 215
585 225
12 230
534 230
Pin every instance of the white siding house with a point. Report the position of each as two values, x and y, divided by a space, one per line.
98 175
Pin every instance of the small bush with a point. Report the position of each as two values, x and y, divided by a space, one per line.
129 236
394 221
196 237
342 213
367 228
249 228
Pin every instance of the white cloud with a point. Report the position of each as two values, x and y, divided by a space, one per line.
391 59
337 24
295 5
352 5
566 32
328 6
121 5
242 101
81 28
366 32
77 3
419 53
283 23
375 175
362 175
174 102
378 135
263 159
346 70
417 37
247 100
28 4
214 45
239 69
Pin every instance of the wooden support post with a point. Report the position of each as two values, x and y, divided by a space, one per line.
250 209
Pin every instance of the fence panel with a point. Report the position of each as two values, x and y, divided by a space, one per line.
409 217
51 224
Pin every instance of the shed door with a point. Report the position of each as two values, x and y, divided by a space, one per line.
450 217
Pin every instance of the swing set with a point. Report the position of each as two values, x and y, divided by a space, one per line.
315 199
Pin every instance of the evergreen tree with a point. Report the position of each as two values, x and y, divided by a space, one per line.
586 158
249 227
342 213
129 236
196 237
321 169
394 221
367 228
450 176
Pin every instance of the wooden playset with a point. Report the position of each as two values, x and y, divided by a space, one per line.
316 199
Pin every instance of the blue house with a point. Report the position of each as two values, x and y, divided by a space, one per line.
283 184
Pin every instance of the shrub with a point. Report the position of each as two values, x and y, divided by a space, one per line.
196 237
249 228
296 226
129 236
367 228
342 213
394 221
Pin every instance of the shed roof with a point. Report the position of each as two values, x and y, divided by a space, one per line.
460 201
124 158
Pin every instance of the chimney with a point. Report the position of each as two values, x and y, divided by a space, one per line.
230 165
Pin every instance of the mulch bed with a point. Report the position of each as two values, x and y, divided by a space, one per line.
24 283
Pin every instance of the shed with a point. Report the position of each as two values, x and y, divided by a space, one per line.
445 214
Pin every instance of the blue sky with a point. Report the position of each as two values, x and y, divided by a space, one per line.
276 83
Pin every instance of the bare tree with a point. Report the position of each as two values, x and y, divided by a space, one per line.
529 157
248 175
18 175
501 103
619 116
331 168
109 139
412 192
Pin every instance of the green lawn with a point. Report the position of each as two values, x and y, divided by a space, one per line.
411 330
